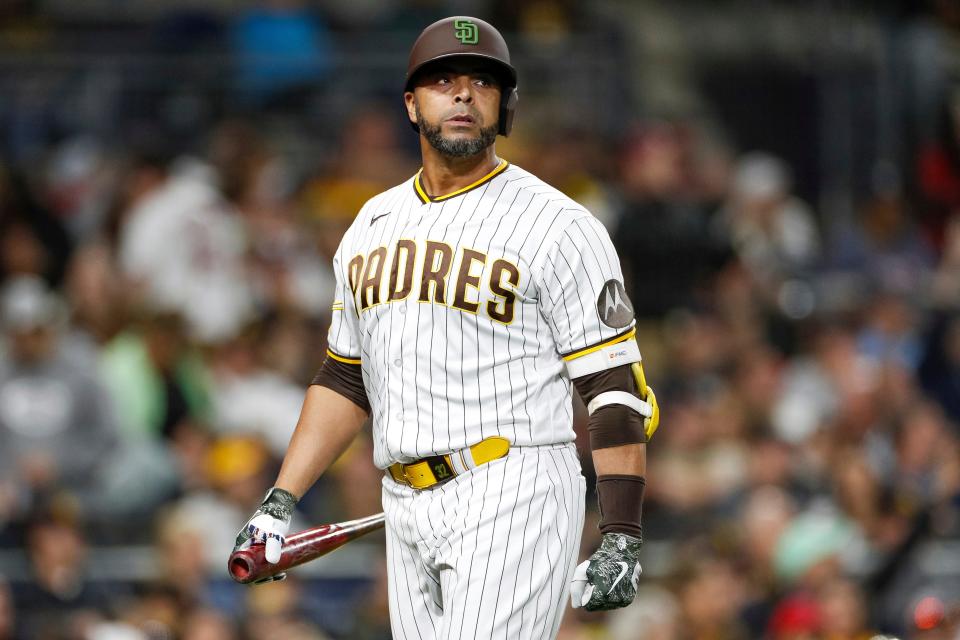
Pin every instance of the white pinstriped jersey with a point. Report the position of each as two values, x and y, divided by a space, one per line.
462 310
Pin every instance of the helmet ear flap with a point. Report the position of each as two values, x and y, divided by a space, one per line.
508 106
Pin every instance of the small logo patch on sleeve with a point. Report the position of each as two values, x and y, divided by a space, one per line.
614 306
617 355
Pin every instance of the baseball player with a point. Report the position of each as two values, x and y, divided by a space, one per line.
470 300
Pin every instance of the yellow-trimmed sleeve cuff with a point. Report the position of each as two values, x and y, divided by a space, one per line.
616 351
343 359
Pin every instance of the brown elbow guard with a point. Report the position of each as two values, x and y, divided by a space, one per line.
344 378
612 425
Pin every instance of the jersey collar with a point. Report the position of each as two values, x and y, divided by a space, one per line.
425 199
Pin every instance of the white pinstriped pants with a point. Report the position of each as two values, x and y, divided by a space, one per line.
488 554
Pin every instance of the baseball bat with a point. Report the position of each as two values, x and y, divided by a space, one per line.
250 565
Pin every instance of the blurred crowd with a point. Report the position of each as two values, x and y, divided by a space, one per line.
164 302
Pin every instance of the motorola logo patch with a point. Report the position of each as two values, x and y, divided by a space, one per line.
614 306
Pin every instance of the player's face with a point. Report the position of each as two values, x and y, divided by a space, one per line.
456 105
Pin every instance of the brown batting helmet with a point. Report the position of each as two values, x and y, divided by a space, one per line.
466 36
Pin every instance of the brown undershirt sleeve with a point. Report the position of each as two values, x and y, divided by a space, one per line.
345 379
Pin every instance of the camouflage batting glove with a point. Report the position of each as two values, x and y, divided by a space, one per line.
269 525
609 579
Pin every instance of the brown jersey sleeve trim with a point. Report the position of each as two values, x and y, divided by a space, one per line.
343 376
612 425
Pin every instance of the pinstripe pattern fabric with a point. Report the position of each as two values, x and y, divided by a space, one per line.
488 554
453 361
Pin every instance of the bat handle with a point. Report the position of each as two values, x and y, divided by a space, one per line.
249 565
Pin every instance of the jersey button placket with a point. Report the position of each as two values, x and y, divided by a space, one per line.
398 363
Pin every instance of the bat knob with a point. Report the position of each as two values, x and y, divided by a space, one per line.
240 567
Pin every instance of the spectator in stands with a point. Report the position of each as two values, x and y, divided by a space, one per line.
94 295
57 426
156 379
765 515
711 595
78 184
773 232
287 270
940 369
927 458
890 335
884 250
182 248
59 593
843 611
666 245
32 241
945 288
250 399
816 545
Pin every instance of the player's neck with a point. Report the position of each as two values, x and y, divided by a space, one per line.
443 175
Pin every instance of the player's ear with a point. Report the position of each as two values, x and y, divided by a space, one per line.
411 103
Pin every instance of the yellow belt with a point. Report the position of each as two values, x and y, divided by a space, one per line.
431 471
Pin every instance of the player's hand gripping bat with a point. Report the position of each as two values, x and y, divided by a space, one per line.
249 565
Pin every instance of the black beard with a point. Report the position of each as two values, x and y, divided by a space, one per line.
458 148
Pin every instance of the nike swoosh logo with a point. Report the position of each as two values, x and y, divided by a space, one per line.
378 216
623 572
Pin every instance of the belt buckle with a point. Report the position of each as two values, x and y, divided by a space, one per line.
398 473
419 474
405 473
